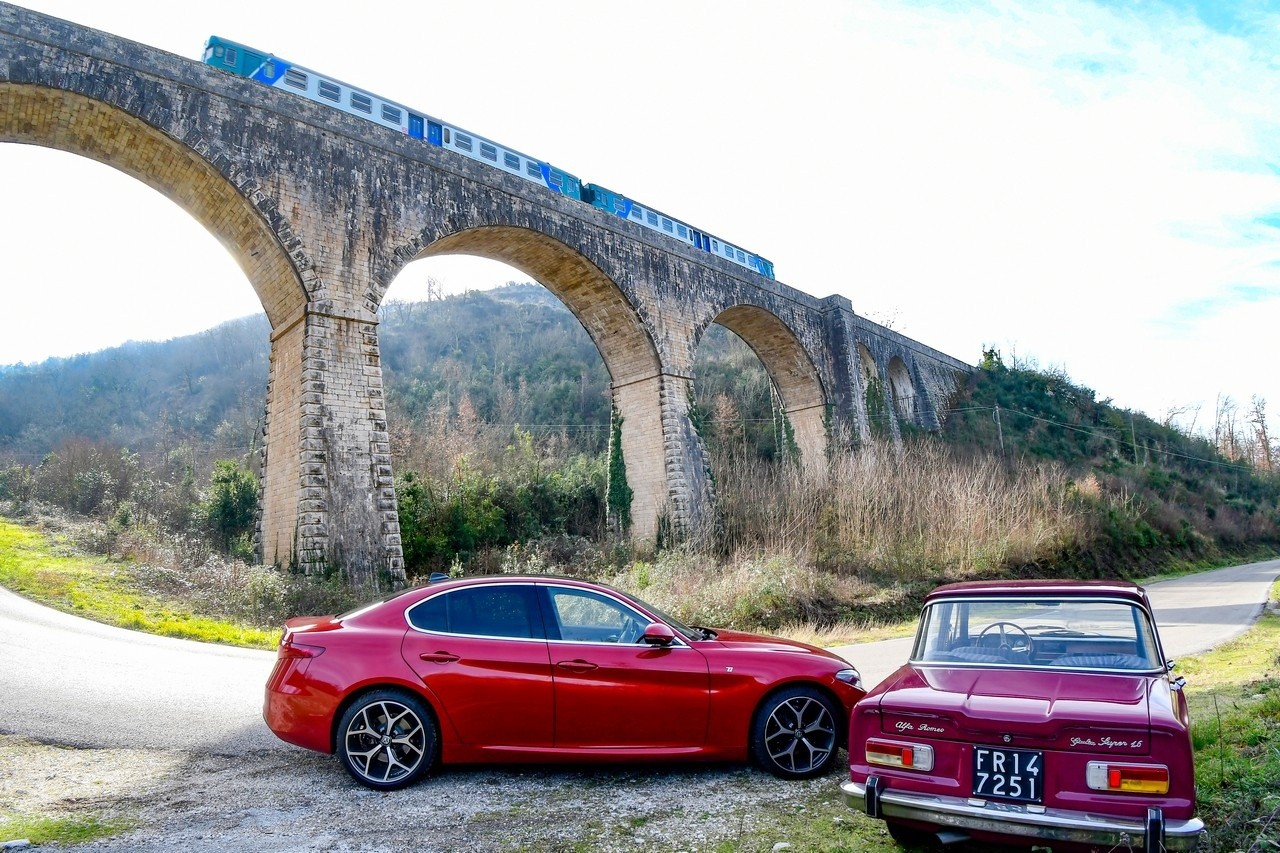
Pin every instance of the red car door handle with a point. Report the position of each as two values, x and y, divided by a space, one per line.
577 665
438 657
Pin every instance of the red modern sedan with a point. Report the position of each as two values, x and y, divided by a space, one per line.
523 669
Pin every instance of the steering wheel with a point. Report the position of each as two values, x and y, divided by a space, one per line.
631 632
1019 645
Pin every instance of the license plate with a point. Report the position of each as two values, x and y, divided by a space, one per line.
1008 774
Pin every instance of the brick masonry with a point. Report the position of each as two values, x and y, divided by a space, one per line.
322 210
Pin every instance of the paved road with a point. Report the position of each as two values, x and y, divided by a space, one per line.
68 680
71 681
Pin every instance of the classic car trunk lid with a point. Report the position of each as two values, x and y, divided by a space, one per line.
1032 708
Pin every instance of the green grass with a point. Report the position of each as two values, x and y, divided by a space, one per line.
98 589
60 830
1234 693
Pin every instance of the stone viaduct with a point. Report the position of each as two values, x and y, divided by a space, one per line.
322 210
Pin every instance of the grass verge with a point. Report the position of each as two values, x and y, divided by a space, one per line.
95 588
61 830
1234 693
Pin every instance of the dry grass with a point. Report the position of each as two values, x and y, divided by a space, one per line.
906 513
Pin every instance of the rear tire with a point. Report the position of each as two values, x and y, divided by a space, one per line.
387 739
795 733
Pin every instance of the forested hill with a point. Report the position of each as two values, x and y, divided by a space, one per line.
514 354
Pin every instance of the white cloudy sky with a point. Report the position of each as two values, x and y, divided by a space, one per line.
1090 186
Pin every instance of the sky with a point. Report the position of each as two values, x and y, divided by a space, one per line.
1091 187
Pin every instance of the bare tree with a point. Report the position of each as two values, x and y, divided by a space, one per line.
1258 418
1224 427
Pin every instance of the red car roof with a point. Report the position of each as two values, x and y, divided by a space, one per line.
1040 587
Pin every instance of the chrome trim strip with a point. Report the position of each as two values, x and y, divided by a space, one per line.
1012 819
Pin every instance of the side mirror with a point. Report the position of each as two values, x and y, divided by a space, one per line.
658 634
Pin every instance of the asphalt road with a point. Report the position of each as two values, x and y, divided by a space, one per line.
70 681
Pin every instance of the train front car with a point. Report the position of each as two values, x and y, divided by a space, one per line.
232 56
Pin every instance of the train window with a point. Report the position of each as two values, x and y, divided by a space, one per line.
532 168
510 160
391 114
728 251
330 91
361 102
637 213
742 259
462 141
666 225
682 231
232 56
652 218
269 69
296 79
447 134
554 179
620 205
488 152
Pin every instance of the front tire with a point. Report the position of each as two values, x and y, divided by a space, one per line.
794 734
387 739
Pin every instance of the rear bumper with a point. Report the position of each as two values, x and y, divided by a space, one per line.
1016 820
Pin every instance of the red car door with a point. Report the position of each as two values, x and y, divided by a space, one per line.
611 690
482 652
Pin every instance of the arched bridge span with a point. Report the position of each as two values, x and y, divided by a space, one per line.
323 210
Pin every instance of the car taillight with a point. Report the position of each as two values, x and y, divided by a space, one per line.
297 650
909 756
1127 778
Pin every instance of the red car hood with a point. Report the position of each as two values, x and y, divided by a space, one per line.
1094 712
758 643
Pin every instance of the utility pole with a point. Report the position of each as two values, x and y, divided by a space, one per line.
1133 435
999 430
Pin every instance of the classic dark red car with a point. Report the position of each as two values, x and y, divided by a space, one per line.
1034 712
538 669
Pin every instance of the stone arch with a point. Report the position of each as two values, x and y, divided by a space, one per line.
603 310
628 351
902 390
84 126
67 121
794 376
867 363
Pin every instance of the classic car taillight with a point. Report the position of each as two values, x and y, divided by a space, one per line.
910 756
1127 778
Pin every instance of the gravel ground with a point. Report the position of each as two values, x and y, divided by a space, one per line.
290 800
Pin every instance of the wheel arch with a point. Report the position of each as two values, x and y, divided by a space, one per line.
415 690
842 715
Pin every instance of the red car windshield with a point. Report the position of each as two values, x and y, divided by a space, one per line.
1073 633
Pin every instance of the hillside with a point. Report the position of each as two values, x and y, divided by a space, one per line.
515 355
499 417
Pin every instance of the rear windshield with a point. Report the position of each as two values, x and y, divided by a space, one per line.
1068 633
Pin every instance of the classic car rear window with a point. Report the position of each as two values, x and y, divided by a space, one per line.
1072 633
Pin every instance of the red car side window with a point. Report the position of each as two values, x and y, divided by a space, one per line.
499 611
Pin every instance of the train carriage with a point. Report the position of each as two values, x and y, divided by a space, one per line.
273 71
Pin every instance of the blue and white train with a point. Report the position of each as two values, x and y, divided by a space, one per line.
276 72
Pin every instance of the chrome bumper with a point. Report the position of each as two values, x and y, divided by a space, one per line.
1019 820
